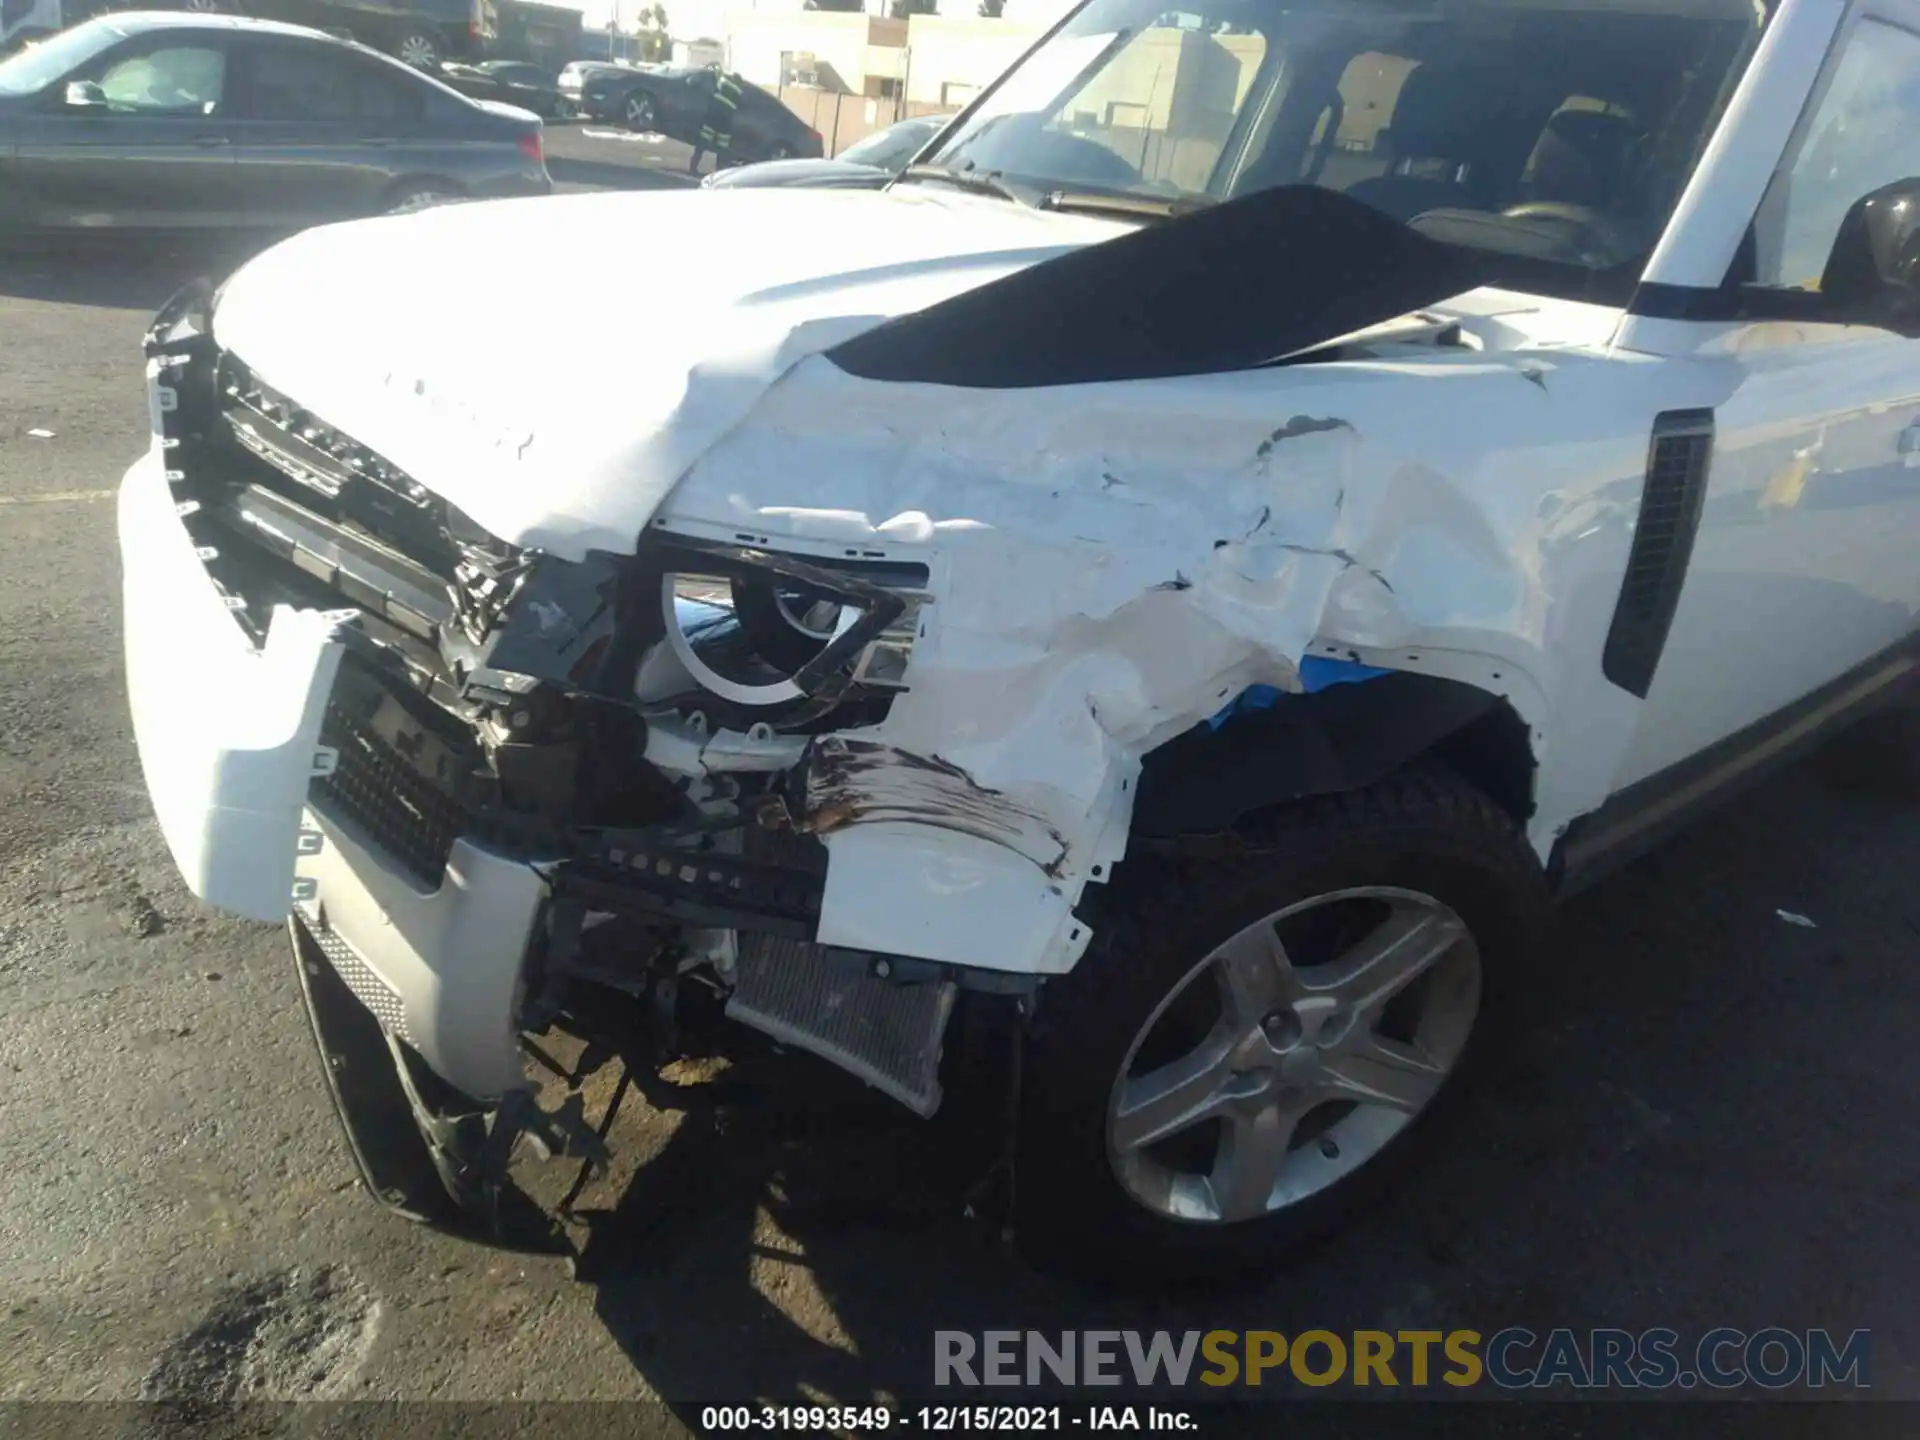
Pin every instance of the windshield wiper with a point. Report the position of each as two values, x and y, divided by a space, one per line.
1106 202
981 182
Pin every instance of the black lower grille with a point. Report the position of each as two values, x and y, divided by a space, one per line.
406 815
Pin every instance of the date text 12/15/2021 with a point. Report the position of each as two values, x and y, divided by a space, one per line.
943 1419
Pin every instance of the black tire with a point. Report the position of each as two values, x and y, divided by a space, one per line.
639 112
780 150
1424 830
1878 755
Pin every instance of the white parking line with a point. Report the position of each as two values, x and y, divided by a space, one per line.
58 497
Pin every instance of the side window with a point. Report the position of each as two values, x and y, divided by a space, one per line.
173 80
296 83
380 93
1864 133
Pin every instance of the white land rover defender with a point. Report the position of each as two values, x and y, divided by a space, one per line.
1173 585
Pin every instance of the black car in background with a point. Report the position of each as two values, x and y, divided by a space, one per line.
516 82
181 122
867 164
676 101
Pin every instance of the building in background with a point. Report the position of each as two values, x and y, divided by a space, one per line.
699 54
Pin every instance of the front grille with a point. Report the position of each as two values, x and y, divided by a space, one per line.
409 816
331 472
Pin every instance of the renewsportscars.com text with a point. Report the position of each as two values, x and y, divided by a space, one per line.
1515 1358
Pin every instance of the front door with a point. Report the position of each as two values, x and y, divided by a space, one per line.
322 133
1805 566
144 145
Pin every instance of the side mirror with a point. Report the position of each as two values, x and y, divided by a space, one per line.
1875 264
85 95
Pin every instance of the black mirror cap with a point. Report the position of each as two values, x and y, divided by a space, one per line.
1875 263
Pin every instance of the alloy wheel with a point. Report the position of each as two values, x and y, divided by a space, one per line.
1292 1054
418 50
640 113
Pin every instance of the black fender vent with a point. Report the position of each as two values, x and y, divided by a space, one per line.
1677 464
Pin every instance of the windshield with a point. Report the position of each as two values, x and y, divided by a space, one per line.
1557 132
36 68
893 147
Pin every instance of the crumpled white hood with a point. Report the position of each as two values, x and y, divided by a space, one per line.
553 366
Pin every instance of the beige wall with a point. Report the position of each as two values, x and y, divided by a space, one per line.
951 59
839 42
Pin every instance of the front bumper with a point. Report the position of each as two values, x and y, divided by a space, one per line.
230 741
229 735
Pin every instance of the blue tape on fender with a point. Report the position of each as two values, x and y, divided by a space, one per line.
1317 672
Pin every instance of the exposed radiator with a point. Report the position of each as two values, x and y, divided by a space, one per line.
887 1034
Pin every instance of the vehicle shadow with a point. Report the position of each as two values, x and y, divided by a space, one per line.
1620 1165
605 175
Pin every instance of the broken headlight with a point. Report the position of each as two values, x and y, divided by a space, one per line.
724 629
780 638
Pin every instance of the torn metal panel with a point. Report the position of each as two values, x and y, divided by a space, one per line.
1111 565
851 781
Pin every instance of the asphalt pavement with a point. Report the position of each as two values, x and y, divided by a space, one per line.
1705 1121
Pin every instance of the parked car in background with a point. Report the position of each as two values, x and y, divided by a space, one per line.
516 82
673 101
866 165
198 122
575 75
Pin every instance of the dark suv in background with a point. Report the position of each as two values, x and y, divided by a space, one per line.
675 101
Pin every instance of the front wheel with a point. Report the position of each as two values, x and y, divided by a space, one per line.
1256 1039
638 112
781 151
